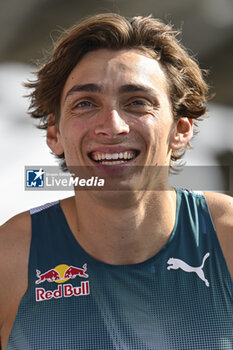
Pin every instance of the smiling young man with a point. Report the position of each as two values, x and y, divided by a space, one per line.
125 269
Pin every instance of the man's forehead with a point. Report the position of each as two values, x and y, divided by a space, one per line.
127 60
125 67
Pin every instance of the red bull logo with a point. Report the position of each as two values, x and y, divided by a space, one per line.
73 272
61 274
50 276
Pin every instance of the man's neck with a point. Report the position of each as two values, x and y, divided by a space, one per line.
122 235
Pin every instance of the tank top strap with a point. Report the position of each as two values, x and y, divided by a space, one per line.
197 230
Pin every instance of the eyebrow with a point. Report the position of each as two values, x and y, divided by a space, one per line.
123 89
137 87
84 87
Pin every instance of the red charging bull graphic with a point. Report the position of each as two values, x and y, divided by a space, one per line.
73 272
61 274
50 276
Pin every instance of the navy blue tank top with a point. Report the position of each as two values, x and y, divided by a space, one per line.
180 299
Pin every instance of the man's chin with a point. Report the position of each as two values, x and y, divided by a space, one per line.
119 179
123 198
115 178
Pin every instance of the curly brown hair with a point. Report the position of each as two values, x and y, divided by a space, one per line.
188 90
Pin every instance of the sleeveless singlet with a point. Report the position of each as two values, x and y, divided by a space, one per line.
180 299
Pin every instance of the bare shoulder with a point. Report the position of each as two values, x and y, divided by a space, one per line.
221 210
15 237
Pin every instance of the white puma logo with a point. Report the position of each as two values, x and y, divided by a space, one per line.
179 264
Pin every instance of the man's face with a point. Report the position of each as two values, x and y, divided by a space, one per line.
115 112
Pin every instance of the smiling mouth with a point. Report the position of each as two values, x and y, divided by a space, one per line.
113 158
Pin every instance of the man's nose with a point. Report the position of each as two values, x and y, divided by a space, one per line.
111 124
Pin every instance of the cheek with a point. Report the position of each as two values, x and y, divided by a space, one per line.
72 133
155 132
149 128
73 129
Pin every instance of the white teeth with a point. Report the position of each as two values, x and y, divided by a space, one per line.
102 156
114 156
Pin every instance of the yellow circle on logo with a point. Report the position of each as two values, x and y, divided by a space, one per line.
61 269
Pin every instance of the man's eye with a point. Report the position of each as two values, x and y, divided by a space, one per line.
138 103
83 104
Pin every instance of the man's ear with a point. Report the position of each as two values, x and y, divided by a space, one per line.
53 136
182 133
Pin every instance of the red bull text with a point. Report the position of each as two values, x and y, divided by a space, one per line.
59 275
65 290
